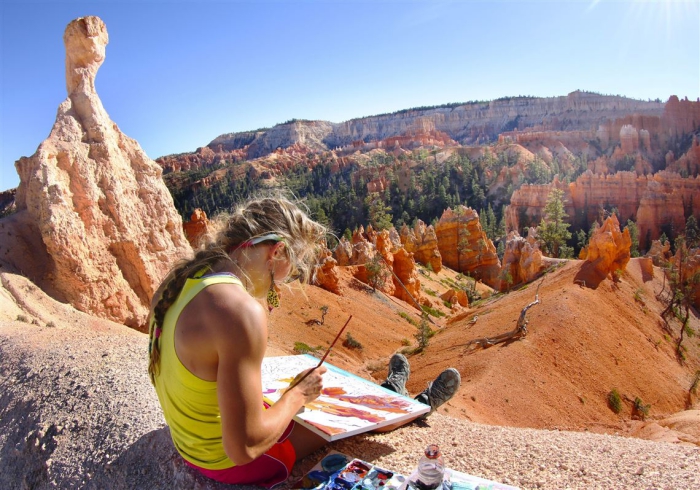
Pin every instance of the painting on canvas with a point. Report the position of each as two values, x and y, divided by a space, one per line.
348 404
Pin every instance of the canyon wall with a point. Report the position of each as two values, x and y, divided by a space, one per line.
658 203
469 123
465 124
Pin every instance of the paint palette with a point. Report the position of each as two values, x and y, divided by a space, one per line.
337 471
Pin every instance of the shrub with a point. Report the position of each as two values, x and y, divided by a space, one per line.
351 343
423 334
696 382
408 318
640 409
432 311
615 401
302 348
377 273
405 342
617 275
22 318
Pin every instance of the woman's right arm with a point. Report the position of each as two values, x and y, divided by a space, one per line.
240 334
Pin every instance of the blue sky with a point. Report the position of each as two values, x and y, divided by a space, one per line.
180 73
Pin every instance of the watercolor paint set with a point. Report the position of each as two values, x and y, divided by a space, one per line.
338 471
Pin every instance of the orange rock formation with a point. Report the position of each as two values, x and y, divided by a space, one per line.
422 242
464 246
196 228
522 260
398 264
327 274
660 253
608 249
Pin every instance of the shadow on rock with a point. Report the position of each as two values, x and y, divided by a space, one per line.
588 276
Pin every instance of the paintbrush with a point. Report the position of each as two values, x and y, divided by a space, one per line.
323 358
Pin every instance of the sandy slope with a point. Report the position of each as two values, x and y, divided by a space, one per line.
77 410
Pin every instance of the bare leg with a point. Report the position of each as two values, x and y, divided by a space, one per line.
305 442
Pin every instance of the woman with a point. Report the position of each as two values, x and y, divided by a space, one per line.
208 339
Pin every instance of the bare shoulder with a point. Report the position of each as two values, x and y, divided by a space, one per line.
221 321
228 305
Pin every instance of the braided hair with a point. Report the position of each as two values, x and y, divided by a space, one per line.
256 217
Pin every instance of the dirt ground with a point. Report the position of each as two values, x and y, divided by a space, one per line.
77 409
581 344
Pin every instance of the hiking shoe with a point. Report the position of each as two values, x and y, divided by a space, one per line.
399 370
442 389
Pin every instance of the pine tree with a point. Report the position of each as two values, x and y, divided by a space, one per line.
553 231
379 216
634 236
692 233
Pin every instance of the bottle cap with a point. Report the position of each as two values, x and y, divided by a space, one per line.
432 451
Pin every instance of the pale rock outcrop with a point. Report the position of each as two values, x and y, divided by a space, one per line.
395 239
522 260
464 246
422 242
471 123
608 249
94 216
343 252
629 139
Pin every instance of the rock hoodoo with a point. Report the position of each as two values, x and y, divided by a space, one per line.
361 255
522 260
464 246
608 249
196 228
95 220
421 241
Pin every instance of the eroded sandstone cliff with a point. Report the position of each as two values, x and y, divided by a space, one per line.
658 202
578 115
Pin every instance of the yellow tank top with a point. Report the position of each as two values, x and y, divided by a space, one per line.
189 403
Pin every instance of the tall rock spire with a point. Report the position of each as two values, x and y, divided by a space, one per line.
96 225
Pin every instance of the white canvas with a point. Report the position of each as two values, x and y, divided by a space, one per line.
348 404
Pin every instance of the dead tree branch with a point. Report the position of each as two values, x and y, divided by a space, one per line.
519 332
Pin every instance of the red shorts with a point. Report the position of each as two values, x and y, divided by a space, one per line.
268 470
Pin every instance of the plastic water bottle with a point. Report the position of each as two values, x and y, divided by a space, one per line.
431 469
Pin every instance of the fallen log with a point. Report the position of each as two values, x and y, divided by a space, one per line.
518 332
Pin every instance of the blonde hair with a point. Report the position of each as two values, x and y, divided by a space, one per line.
302 236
